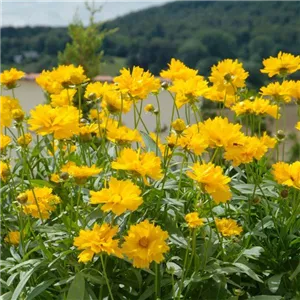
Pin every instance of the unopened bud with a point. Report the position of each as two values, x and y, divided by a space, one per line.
156 111
22 198
18 115
178 125
165 85
149 108
256 200
64 176
280 134
92 96
284 193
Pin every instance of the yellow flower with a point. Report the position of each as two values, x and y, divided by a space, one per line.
294 90
4 171
55 178
193 220
144 164
258 107
228 75
99 239
178 71
5 140
114 102
40 202
86 131
192 140
13 237
298 126
287 174
10 77
69 75
122 134
25 140
48 82
8 105
66 147
18 114
60 121
213 94
278 92
97 90
188 91
65 97
228 227
178 125
211 180
284 64
121 195
138 85
149 108
80 173
268 141
145 243
246 150
219 132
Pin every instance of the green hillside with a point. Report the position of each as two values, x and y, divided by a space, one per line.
199 33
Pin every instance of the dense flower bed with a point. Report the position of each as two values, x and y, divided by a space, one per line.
92 209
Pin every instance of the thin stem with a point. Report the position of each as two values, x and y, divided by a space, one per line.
106 279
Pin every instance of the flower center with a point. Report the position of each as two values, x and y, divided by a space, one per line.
144 242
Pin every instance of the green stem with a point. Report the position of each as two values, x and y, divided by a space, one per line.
157 281
106 279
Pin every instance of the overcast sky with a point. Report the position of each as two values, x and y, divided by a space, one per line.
61 13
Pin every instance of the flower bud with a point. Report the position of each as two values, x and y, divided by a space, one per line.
256 200
165 85
92 96
284 194
149 108
24 140
238 292
156 111
22 198
280 134
64 176
18 115
178 125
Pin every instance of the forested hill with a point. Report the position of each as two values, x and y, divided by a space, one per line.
199 33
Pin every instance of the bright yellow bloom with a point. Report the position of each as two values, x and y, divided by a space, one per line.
55 178
228 75
298 126
60 121
13 237
145 243
10 77
284 64
246 150
278 92
211 180
192 140
189 91
86 131
5 140
219 132
193 220
268 141
257 107
8 105
149 108
122 134
228 227
213 94
178 71
287 174
97 90
80 173
178 125
65 97
48 82
114 102
294 90
25 140
138 85
40 202
144 164
121 195
4 171
69 75
99 239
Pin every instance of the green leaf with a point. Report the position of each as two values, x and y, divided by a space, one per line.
40 288
295 273
274 282
266 297
77 288
6 296
253 253
178 240
22 284
245 269
149 291
41 183
151 144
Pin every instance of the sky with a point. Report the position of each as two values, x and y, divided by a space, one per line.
60 13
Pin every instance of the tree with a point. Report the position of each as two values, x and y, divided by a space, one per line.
86 44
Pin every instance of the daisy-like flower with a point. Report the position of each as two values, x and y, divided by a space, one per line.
97 90
13 237
228 75
279 92
268 141
214 95
114 102
48 82
5 140
298 126
257 107
138 84
284 64
189 91
8 105
228 227
60 121
193 220
80 173
149 108
4 171
178 71
69 75
86 131
143 164
9 77
294 90
40 202
25 140
219 132
99 239
211 180
145 243
65 97
287 174
122 135
178 125
121 195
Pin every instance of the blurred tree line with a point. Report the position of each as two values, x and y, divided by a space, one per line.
198 33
